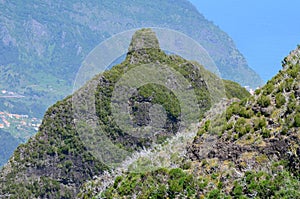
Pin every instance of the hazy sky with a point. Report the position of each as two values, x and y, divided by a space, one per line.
264 31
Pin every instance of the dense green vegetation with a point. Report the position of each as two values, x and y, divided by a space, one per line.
177 182
233 89
276 98
260 184
57 156
159 184
60 161
154 94
249 151
157 94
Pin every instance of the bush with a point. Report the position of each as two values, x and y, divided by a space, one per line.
257 91
240 127
207 125
288 84
248 128
294 72
237 190
280 100
161 183
259 123
266 133
201 132
246 113
229 125
240 122
268 89
228 113
264 101
297 120
214 194
291 107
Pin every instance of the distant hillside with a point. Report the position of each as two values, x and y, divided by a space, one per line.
57 161
250 150
8 144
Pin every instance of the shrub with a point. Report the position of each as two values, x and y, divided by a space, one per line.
229 125
248 128
237 190
264 101
257 91
293 72
288 84
284 130
280 87
268 89
207 125
240 122
266 133
201 132
228 113
280 100
291 107
245 113
259 123
297 120
216 193
240 127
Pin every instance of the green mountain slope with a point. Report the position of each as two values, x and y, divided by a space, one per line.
8 144
251 150
44 43
57 161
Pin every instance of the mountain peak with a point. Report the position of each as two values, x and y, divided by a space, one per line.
144 39
144 48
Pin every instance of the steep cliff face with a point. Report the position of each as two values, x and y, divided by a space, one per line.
63 154
250 150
